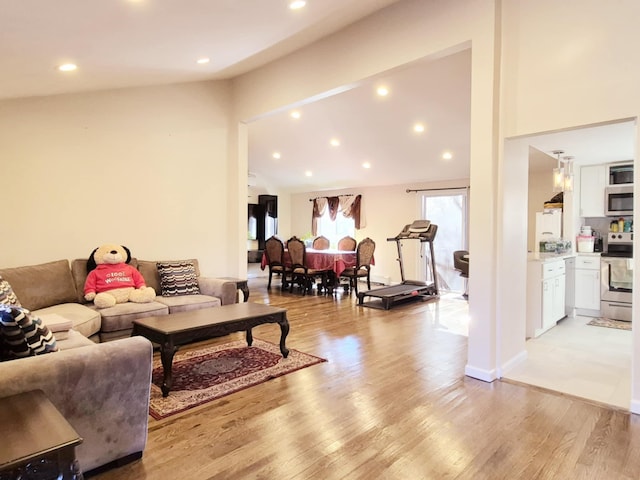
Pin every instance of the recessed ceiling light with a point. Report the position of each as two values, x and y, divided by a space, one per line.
418 128
68 67
297 4
366 165
382 91
203 60
447 156
295 114
308 173
335 142
276 155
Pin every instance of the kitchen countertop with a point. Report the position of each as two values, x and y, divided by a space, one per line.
549 257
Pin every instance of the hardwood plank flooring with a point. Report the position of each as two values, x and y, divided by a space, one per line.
392 402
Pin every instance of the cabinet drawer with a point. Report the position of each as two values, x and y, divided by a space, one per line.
553 269
588 262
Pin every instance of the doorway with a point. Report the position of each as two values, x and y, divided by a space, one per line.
448 210
573 357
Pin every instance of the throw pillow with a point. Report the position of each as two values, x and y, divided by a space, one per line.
178 278
6 294
22 334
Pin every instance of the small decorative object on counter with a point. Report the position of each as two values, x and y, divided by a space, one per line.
613 227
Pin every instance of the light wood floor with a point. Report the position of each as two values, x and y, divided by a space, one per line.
392 402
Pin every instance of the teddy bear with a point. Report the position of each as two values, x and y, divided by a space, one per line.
112 280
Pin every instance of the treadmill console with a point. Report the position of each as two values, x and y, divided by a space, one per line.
422 230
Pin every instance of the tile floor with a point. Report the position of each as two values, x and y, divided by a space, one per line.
573 358
582 360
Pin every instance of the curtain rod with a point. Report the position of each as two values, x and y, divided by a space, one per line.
409 190
346 195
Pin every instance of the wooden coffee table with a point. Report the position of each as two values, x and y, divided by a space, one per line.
171 331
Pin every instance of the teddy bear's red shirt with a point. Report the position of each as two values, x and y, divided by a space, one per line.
107 276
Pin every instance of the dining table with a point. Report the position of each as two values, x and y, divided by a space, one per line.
328 259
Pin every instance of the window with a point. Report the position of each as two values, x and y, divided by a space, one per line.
334 231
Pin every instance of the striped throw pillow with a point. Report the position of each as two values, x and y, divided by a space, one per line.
178 278
23 334
6 294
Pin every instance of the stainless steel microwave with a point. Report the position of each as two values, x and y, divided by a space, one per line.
618 200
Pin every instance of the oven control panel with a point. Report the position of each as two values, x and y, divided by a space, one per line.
624 237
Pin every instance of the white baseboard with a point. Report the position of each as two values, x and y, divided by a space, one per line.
480 374
381 279
509 364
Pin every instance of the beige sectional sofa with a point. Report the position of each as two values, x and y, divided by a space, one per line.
100 386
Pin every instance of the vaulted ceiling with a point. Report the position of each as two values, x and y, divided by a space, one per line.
127 43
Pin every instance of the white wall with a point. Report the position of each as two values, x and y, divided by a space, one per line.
568 64
143 167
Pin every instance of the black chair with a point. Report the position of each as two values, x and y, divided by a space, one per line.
274 250
364 257
461 264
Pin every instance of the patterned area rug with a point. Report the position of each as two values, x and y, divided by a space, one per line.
609 323
206 374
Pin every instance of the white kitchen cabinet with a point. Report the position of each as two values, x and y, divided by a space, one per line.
593 180
570 286
545 295
587 277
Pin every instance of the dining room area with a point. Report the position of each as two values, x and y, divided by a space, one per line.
318 266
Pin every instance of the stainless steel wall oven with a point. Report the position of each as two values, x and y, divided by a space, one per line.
616 277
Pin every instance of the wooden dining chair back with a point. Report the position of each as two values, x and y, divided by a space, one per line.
274 250
347 244
364 258
297 271
321 243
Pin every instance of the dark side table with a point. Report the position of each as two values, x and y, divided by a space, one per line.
241 284
37 442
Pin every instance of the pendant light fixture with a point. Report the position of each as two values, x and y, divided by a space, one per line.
558 173
568 174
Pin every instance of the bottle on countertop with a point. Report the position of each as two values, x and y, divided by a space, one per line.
613 227
621 224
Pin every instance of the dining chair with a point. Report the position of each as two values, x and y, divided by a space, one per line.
347 243
299 272
321 243
274 250
364 257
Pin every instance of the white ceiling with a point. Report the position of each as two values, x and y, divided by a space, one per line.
373 129
125 43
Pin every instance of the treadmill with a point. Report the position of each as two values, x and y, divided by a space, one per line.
386 297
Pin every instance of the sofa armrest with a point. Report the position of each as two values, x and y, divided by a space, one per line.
225 290
102 390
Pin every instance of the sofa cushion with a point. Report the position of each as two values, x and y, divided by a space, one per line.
23 334
43 285
74 340
149 271
178 278
184 303
58 325
121 315
7 296
85 320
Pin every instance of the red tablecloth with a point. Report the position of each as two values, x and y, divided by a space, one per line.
336 260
